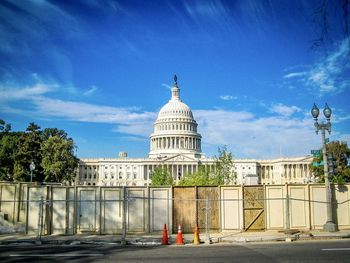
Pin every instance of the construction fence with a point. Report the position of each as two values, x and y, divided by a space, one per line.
55 209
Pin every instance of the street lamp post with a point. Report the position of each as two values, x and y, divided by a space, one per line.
329 226
31 168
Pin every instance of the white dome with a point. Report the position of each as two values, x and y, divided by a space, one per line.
175 108
175 130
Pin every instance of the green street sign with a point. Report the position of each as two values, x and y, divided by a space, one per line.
316 152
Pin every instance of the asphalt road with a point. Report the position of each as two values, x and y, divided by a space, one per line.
309 251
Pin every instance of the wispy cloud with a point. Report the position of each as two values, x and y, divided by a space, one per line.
228 97
209 9
166 86
327 75
294 75
39 103
8 93
284 110
256 137
90 91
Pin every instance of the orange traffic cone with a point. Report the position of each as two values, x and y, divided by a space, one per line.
179 238
196 240
165 240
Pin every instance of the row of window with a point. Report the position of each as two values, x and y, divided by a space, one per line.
187 113
111 167
176 127
112 176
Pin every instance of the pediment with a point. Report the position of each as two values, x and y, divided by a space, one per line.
179 158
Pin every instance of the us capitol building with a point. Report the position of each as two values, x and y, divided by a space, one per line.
176 145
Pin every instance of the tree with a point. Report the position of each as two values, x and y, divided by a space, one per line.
8 143
4 127
51 151
341 152
28 151
198 178
50 132
224 173
58 160
160 176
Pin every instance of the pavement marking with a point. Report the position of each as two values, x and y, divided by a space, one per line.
56 255
336 249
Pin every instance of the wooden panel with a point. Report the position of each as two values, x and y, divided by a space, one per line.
254 217
7 201
212 193
231 204
160 210
87 209
299 212
59 209
184 209
318 206
275 207
136 211
343 209
34 199
112 207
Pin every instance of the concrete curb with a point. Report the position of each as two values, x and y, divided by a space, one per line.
155 241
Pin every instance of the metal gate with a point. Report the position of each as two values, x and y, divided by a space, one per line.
253 208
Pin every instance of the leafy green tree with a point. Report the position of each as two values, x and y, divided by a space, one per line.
198 178
224 173
4 127
28 151
8 142
50 132
51 151
341 152
58 160
160 176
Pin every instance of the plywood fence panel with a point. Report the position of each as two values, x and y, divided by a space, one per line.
184 209
160 208
342 196
111 210
8 204
34 199
231 208
275 207
299 207
213 195
137 216
318 206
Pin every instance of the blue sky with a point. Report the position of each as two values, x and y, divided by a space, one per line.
101 70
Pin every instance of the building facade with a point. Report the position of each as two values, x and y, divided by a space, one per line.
176 145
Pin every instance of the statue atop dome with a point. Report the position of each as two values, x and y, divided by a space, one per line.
175 91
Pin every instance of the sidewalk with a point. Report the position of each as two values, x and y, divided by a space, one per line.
155 239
